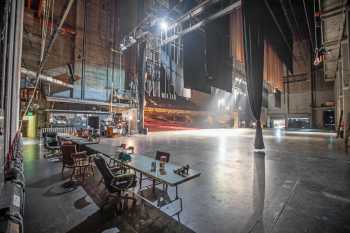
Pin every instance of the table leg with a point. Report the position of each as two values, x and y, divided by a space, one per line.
140 183
176 193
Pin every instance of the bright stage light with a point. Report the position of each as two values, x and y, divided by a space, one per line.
132 39
163 25
221 102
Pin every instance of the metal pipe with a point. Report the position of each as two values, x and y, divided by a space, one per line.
45 78
191 13
278 26
4 54
332 12
219 14
308 25
284 9
341 34
83 62
10 74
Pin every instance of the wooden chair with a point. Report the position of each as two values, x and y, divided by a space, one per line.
160 154
78 161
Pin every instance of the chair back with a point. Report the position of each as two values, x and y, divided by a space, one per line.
49 139
123 146
105 172
67 151
59 141
160 154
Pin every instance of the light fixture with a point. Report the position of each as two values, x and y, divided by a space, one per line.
163 25
122 47
132 39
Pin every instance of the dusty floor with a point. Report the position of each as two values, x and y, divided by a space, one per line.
300 184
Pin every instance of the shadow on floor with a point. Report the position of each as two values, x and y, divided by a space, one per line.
141 218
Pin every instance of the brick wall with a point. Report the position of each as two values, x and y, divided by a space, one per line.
102 25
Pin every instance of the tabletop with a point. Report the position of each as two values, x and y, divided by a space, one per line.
82 142
70 137
143 164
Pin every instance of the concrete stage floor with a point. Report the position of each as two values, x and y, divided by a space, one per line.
300 184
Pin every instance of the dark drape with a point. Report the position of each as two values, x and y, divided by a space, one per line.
253 37
219 60
194 70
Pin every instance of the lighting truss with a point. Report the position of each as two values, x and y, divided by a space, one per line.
194 19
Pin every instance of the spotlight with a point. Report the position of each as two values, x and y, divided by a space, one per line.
132 39
221 102
163 25
123 47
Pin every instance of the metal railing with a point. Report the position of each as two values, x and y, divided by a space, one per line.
62 130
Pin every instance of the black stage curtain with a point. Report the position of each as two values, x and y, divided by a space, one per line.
195 75
253 36
219 60
273 35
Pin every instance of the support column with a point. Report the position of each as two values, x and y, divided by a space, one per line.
141 84
345 87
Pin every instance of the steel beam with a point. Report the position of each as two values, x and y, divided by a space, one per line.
46 78
196 26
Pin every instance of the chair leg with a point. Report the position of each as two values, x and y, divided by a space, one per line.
62 170
83 174
100 182
140 181
153 186
92 169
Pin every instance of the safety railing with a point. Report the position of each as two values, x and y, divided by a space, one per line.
60 130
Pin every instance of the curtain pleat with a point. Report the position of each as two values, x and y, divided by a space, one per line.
253 36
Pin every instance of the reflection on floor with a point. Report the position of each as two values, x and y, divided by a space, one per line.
300 184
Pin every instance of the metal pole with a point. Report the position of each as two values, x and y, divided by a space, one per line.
120 71
141 84
308 25
83 62
4 54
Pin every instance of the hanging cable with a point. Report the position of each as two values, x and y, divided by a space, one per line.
280 29
308 26
298 28
315 24
46 54
284 9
